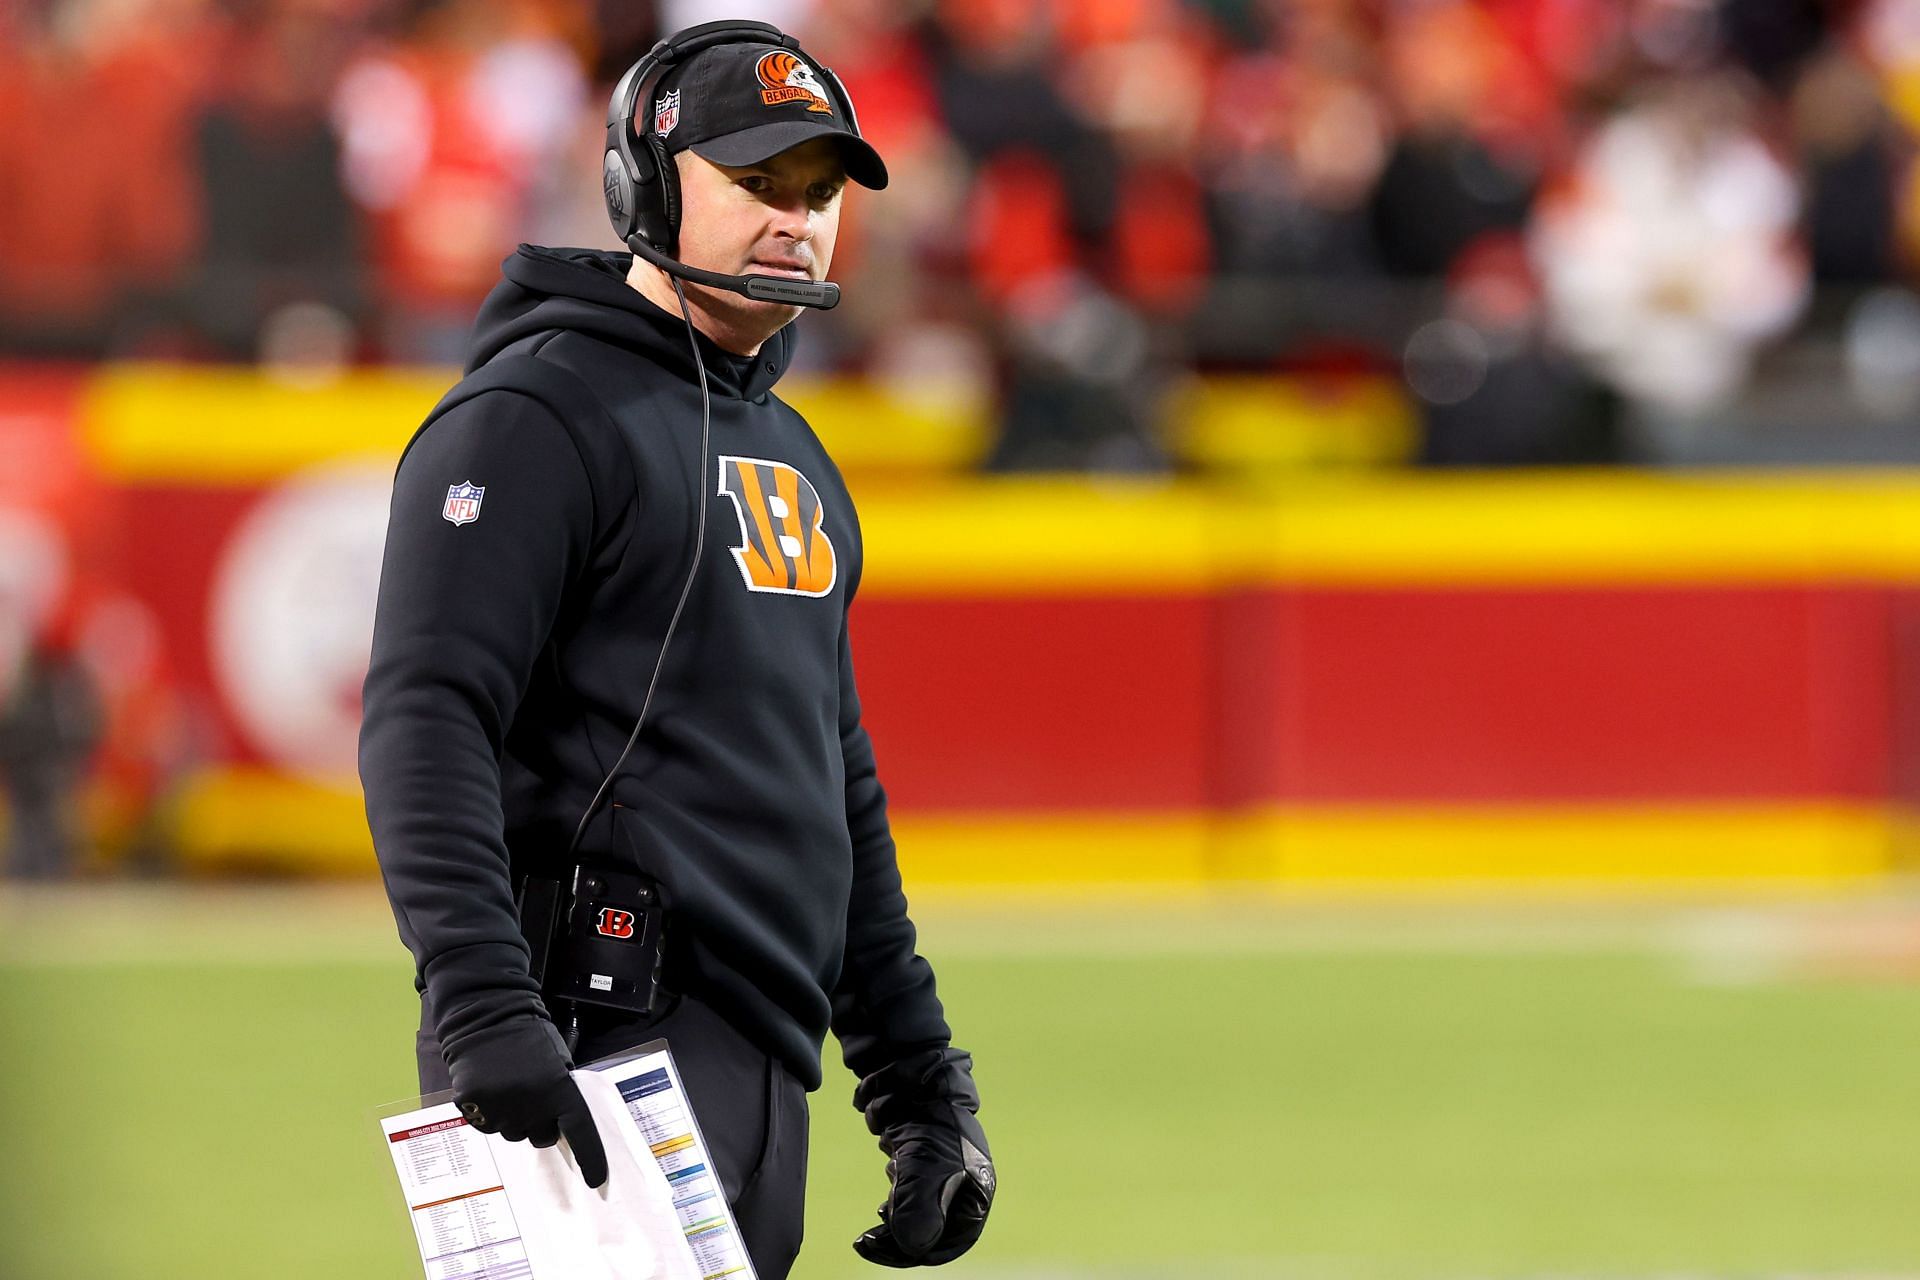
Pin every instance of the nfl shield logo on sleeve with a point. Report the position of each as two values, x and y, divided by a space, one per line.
463 502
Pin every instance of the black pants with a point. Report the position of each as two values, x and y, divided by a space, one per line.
752 1113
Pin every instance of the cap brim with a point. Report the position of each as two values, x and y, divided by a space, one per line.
751 146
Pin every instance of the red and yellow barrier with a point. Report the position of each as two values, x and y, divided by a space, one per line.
1611 678
1603 678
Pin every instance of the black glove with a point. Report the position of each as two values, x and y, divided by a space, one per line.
922 1109
512 1080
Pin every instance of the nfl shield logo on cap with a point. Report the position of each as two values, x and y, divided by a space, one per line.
463 502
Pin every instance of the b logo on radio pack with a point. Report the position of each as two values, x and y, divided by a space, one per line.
614 923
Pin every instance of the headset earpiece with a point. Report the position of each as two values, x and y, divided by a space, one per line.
642 187
632 172
657 215
618 185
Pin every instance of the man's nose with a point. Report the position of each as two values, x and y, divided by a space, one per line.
792 220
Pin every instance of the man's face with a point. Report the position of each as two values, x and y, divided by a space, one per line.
779 217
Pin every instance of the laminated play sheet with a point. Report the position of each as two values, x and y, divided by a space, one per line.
483 1208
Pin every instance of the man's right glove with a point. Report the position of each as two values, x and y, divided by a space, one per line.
922 1110
512 1080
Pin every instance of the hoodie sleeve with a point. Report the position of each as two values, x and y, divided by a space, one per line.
464 611
884 1006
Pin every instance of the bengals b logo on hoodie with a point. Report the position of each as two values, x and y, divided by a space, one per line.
783 547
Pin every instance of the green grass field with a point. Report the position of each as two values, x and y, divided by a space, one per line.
1284 1090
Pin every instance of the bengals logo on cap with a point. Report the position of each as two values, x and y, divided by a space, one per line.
788 79
783 548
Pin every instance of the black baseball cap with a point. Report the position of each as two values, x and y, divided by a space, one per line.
737 104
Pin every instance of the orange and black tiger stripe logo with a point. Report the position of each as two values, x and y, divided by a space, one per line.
786 78
783 546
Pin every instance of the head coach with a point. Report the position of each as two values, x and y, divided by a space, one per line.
612 749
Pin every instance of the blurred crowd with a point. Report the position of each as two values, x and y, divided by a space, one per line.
1543 216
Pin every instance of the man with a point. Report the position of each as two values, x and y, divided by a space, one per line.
51 722
543 526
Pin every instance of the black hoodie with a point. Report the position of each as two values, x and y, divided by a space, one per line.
517 629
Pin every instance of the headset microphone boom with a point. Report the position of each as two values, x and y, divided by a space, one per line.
821 294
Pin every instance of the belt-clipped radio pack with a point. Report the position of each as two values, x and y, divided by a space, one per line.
597 938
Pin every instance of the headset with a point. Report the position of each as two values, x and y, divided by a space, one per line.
642 183
599 938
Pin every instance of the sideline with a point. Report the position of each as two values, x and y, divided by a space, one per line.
1720 937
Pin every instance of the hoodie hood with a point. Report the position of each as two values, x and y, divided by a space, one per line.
586 291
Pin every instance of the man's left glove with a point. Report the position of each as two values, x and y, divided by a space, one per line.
513 1080
922 1109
